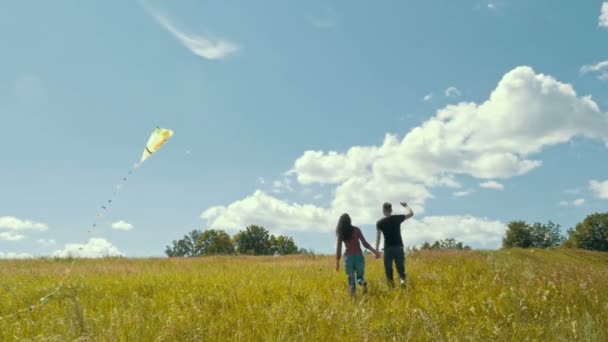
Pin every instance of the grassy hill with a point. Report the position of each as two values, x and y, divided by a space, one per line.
559 295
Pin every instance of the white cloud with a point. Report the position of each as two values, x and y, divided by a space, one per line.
47 243
452 92
122 225
463 193
492 140
94 248
199 45
270 212
11 255
492 185
578 202
473 231
599 188
14 227
428 97
13 223
11 236
603 19
599 68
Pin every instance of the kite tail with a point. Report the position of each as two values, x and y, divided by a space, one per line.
101 213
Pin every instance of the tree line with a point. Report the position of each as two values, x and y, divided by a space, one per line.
590 234
254 240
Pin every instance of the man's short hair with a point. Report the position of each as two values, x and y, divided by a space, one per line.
387 206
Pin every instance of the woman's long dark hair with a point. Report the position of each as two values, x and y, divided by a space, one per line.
344 229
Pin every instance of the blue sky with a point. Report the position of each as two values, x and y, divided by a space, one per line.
288 113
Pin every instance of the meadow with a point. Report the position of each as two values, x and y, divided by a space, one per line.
506 295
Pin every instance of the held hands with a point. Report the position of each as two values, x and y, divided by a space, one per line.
378 254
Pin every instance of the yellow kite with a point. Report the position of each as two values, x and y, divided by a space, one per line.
156 140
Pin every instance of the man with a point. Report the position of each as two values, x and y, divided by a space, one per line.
390 226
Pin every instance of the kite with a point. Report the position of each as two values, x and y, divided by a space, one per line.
158 137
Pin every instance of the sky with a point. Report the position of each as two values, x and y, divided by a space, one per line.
287 114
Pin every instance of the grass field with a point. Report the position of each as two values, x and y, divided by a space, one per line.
506 295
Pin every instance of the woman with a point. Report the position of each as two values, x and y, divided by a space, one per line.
354 262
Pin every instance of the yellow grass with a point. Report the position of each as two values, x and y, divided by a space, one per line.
513 295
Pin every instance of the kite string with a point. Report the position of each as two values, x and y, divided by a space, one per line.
104 208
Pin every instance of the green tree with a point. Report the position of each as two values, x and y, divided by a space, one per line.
254 240
538 235
185 247
518 235
283 245
545 235
445 244
213 241
591 233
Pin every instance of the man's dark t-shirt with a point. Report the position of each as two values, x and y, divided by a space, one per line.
391 229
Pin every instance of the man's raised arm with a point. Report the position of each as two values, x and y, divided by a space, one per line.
409 212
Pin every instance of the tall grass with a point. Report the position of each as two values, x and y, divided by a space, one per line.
507 295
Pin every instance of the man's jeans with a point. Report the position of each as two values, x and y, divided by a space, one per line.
397 254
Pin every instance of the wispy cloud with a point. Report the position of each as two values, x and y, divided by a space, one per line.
603 20
574 191
206 47
576 203
600 68
452 92
492 185
326 20
428 97
490 5
122 225
463 193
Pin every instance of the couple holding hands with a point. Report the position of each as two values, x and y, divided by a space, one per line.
354 263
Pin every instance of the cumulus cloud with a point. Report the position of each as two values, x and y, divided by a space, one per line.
492 185
474 231
492 140
603 20
599 188
11 255
94 248
452 92
600 69
122 225
13 228
270 212
200 45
